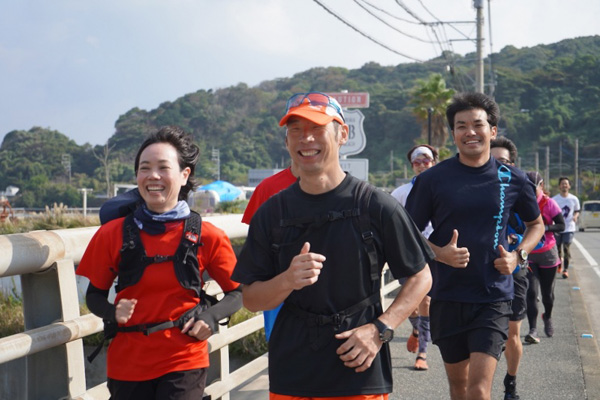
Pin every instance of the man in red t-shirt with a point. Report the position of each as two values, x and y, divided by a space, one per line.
265 189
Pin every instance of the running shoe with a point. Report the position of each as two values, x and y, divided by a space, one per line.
565 274
532 337
559 269
548 328
412 344
510 389
511 396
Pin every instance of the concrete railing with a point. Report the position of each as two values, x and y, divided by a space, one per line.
52 345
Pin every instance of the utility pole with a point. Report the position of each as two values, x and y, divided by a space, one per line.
478 4
547 173
429 112
560 159
66 163
85 192
216 158
577 167
492 75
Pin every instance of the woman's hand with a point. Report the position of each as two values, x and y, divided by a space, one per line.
124 310
198 329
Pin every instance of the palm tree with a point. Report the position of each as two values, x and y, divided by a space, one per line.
432 94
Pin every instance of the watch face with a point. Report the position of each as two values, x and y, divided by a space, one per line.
387 335
523 255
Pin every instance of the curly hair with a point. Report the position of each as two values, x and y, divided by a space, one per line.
473 100
187 153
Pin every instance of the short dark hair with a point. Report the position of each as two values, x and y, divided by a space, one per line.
564 178
504 142
187 153
470 101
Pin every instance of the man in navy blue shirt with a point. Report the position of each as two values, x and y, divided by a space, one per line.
468 199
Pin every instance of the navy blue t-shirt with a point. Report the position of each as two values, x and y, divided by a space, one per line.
477 202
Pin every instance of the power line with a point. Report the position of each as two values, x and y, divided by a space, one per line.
429 12
364 34
389 25
410 12
390 14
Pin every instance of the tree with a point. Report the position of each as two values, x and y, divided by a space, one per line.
432 94
103 158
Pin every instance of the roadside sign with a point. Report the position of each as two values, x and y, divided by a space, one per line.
358 167
352 99
357 140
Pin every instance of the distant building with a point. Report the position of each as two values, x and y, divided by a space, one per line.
255 176
10 191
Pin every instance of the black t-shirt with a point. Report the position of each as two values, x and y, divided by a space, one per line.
477 202
302 359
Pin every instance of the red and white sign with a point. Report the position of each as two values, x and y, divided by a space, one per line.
352 99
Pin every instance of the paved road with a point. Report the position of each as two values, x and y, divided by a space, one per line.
565 366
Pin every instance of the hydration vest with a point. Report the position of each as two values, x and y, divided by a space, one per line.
185 260
362 200
134 261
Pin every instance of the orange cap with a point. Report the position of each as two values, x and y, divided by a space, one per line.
319 114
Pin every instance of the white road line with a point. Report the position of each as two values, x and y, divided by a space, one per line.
587 255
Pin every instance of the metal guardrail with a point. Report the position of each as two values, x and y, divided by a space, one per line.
52 342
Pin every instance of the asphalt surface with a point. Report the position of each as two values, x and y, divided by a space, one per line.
566 366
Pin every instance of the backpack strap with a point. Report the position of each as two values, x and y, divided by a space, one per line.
185 260
364 192
277 231
134 259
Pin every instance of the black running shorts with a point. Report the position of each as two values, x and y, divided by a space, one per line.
459 329
519 303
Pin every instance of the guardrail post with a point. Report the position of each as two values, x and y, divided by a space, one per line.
51 296
224 364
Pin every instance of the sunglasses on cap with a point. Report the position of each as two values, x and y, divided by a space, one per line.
424 162
314 99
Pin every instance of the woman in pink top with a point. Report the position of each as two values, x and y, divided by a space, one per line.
543 263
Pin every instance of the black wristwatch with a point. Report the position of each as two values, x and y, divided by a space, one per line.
523 255
386 334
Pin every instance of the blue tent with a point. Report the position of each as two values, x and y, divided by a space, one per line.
225 190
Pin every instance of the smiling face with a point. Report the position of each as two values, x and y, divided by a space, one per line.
315 148
564 186
472 135
159 177
422 163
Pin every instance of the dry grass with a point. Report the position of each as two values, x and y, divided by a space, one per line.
11 310
56 217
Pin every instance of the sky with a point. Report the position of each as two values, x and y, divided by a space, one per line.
75 66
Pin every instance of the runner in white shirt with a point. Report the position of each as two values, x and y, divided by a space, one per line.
422 157
569 203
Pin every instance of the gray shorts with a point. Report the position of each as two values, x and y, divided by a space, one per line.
546 259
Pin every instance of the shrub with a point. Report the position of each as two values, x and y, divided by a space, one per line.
250 346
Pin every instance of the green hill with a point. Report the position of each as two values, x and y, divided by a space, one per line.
548 95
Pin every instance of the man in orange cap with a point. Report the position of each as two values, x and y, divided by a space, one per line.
319 247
